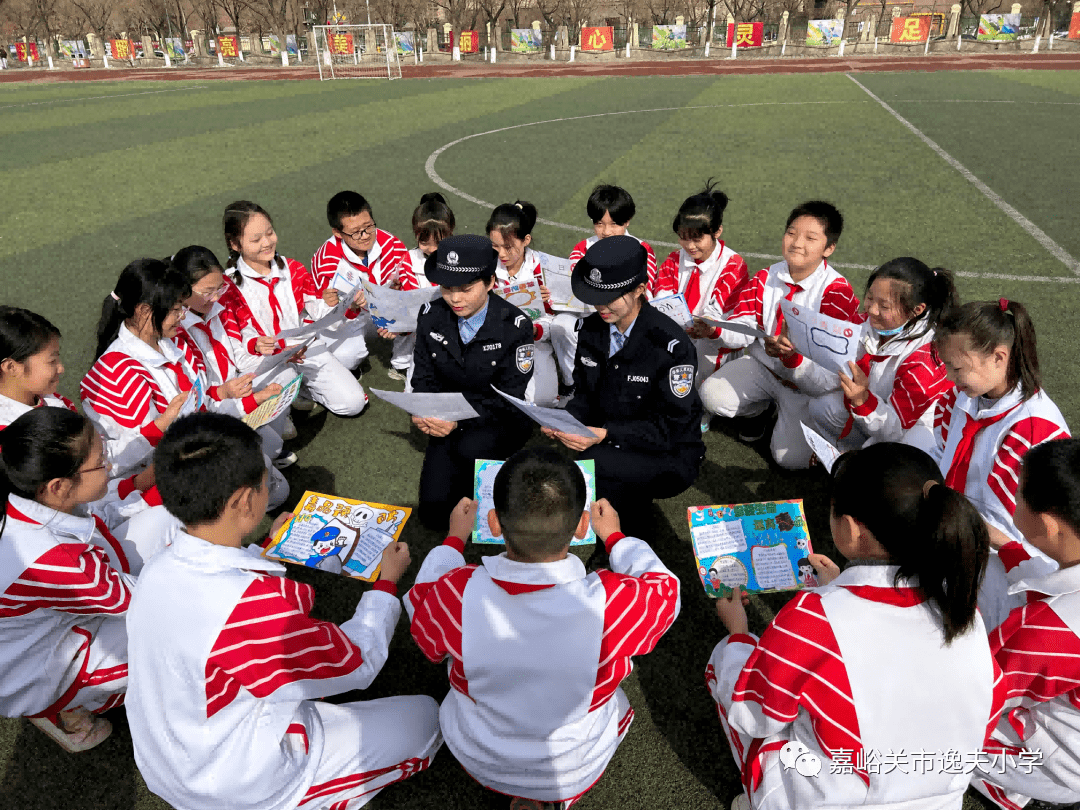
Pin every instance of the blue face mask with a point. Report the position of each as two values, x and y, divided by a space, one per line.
890 332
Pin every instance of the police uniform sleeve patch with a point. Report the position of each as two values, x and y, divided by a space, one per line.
671 346
681 380
519 319
577 326
427 307
524 358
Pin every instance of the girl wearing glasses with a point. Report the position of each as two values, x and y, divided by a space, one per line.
269 295
64 580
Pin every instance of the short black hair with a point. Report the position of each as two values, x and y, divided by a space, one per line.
832 222
539 496
1050 480
613 200
23 334
202 460
346 204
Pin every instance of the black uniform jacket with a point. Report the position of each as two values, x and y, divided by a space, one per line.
644 394
501 354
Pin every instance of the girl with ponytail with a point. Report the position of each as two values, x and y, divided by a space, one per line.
708 273
64 581
983 427
897 376
888 655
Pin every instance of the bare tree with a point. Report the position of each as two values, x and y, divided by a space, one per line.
663 12
236 10
551 11
490 11
100 16
208 13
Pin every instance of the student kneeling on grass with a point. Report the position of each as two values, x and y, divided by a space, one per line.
535 711
226 666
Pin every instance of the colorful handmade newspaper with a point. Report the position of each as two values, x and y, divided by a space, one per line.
761 547
275 406
339 535
483 488
674 306
525 296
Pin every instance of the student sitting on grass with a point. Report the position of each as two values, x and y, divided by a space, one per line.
537 647
227 665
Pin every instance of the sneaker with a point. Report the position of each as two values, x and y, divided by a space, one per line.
289 431
285 460
302 403
740 802
396 374
706 421
754 428
81 731
562 400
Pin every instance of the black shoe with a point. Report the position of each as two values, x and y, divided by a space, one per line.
753 428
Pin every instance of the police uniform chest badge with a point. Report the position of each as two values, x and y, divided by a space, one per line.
681 380
524 358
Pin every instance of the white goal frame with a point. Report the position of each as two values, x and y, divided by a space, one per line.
374 54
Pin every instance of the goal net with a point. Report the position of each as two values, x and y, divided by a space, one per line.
357 52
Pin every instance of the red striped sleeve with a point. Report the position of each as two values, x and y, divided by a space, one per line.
943 414
839 301
303 285
666 281
920 381
638 611
118 386
394 263
797 665
579 252
750 302
436 623
269 641
1005 473
730 283
71 577
650 260
1038 654
324 263
67 402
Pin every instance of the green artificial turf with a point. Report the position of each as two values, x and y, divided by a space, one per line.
98 174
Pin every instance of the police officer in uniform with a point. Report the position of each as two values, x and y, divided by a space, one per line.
633 385
468 341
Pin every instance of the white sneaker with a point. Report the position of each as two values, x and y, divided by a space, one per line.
395 374
81 732
740 802
302 403
285 460
289 430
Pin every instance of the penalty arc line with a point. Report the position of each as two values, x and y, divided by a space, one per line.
429 169
1040 236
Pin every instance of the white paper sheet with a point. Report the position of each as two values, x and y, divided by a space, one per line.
733 326
451 407
554 418
272 362
557 278
396 310
674 306
829 342
826 453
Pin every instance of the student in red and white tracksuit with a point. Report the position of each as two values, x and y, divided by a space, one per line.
64 581
770 370
359 250
227 667
984 426
897 376
533 710
823 680
1033 752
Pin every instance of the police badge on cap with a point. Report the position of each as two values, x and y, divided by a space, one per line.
610 268
460 259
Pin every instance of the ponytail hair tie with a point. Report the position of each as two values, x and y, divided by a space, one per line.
518 206
1004 304
114 296
929 485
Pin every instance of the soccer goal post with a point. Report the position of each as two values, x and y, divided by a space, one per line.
356 52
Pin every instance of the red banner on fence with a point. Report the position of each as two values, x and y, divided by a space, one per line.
34 52
20 51
229 46
598 38
745 35
1074 26
468 41
910 29
121 49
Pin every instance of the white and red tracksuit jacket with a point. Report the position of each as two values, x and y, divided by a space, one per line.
128 387
530 269
758 305
11 409
581 247
61 576
386 262
225 663
1038 650
417 264
211 342
835 671
537 652
906 378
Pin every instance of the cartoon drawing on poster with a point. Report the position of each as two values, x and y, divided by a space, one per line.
674 306
829 342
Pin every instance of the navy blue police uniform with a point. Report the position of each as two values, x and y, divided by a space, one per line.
500 355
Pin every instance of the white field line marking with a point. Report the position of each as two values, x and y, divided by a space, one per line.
96 98
981 101
429 168
1056 250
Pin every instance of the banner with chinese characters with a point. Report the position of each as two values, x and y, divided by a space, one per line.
121 49
20 51
1074 26
598 38
525 40
229 47
824 32
668 37
468 41
910 29
745 35
405 44
998 27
